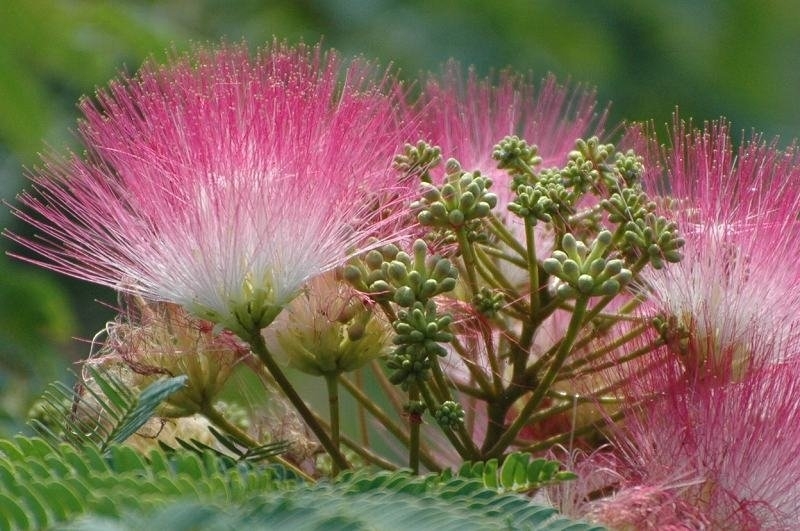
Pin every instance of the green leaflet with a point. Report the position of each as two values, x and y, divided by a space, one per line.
100 417
520 472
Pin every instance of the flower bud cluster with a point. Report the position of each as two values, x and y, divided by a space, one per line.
410 282
630 167
629 204
488 302
464 197
418 159
419 330
586 271
516 156
655 237
449 414
587 165
545 199
392 275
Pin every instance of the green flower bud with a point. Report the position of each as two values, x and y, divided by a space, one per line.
585 284
326 331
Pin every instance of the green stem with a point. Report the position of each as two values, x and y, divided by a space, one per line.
544 384
387 387
468 254
375 410
489 271
431 402
621 340
505 235
362 412
470 450
259 348
368 456
533 269
565 437
332 384
363 452
414 422
618 361
500 255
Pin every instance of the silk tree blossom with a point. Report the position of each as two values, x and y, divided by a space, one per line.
737 212
219 181
730 450
466 116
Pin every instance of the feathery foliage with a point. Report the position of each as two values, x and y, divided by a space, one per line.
45 487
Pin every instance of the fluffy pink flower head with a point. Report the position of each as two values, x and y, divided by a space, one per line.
735 446
467 116
220 181
737 211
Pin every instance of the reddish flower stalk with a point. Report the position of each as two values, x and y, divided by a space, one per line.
220 181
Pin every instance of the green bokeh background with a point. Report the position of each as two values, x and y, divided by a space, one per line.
739 59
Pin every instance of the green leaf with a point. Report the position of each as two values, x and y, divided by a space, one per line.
107 414
145 407
519 473
13 516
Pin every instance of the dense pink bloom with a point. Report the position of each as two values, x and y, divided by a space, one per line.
737 211
717 430
220 181
466 116
734 447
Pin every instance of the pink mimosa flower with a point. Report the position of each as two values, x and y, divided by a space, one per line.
737 212
467 116
220 181
735 444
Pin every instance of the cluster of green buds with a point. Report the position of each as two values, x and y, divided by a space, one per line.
551 195
517 157
587 271
654 237
646 234
409 281
392 275
588 165
546 199
417 160
420 330
630 167
449 414
464 197
628 204
489 301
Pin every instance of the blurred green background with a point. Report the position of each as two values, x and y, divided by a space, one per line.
738 59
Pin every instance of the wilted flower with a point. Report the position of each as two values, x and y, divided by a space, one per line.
153 340
221 182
